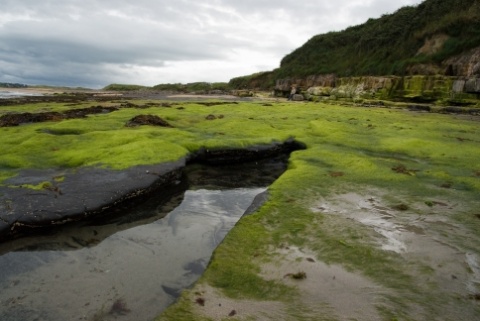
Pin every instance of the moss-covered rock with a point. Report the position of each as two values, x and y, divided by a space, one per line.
420 88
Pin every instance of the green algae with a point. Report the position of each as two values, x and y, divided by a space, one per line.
37 187
348 149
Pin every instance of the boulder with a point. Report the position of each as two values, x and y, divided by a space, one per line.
319 91
458 86
472 85
298 97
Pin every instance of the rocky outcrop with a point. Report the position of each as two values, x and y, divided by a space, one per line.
62 196
433 44
457 75
311 81
466 65
418 87
470 86
324 83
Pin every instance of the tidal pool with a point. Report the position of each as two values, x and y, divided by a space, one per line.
130 267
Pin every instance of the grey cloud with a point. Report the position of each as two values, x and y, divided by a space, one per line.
40 45
82 42
64 73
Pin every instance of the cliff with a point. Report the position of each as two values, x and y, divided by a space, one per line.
457 77
438 40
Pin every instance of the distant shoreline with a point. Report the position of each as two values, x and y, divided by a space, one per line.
30 91
10 92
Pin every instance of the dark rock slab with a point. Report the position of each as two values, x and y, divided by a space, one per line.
238 155
81 194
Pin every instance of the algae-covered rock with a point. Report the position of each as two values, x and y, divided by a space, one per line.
152 120
319 91
298 97
422 88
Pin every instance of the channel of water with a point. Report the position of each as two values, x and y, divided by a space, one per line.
133 266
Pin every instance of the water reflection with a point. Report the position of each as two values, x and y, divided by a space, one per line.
129 268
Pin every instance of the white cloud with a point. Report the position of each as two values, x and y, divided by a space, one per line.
94 43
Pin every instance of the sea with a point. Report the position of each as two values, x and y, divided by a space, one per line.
14 94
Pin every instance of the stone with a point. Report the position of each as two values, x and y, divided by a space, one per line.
472 85
319 91
465 64
458 86
476 69
298 97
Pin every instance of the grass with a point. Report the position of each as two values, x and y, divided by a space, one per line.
348 149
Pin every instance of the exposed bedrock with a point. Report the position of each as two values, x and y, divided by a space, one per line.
452 78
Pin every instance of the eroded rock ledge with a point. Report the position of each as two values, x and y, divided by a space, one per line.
62 196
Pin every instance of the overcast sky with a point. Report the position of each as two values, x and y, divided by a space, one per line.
93 43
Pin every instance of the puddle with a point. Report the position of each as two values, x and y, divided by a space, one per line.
424 237
130 268
329 288
473 284
368 212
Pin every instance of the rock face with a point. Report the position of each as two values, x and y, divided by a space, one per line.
472 85
466 65
310 81
421 88
457 75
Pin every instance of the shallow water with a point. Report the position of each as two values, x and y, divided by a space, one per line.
15 94
128 269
